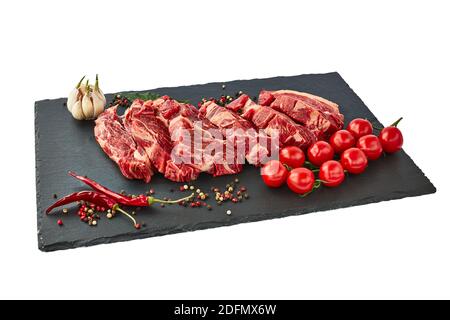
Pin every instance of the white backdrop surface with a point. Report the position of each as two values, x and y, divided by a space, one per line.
395 55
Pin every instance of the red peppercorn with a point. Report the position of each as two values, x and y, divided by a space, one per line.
192 204
137 226
235 200
60 222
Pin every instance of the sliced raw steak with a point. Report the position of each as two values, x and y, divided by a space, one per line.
317 114
197 142
247 141
120 146
276 123
149 132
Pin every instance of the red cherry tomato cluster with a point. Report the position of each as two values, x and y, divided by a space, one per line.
354 146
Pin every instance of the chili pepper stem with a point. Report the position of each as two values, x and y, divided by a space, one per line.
152 200
117 208
395 124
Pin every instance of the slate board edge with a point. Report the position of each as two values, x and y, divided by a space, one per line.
142 234
38 196
201 84
136 235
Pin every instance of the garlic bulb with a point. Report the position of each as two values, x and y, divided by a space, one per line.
86 102
98 98
77 112
74 95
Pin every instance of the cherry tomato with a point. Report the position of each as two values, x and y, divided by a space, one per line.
391 139
360 127
301 180
371 146
342 140
274 174
331 173
292 156
320 152
354 160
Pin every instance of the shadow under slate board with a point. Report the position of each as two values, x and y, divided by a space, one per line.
64 144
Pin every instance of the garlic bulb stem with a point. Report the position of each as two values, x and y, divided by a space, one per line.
79 83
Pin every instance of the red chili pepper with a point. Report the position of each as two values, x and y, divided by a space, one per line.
94 197
97 199
138 201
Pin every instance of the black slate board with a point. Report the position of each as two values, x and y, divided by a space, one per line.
64 144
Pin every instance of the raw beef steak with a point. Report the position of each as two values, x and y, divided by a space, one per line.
120 146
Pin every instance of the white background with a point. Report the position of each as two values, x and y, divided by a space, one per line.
394 54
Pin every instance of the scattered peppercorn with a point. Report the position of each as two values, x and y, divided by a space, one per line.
60 223
65 210
55 196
